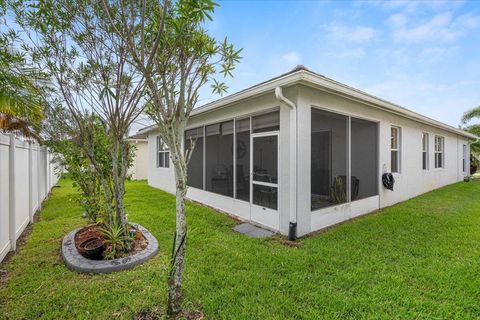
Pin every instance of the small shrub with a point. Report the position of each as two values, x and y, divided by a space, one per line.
117 241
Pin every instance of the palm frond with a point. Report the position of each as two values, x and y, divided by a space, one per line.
471 114
12 124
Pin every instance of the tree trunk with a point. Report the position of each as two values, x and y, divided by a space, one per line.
179 248
118 163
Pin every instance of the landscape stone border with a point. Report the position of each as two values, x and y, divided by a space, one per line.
76 262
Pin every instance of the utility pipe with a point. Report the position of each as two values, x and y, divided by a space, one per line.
292 229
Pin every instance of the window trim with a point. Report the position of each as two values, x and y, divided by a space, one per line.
164 152
426 150
398 149
441 151
464 156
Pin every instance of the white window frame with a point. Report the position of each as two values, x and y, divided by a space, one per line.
465 154
439 150
162 152
425 150
396 148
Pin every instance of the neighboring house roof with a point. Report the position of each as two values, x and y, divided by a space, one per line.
302 75
138 136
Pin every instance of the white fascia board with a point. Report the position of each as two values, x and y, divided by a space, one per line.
365 98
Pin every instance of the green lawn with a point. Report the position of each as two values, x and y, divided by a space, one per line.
419 259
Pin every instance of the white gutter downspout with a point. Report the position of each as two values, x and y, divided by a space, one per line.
292 230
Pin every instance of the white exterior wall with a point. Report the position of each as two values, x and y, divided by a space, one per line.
25 173
163 178
410 182
139 168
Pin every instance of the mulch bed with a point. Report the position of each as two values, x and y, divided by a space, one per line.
91 231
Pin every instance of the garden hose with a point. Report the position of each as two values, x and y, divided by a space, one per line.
388 181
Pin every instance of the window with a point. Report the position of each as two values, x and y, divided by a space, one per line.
395 149
425 151
328 159
464 158
242 132
439 152
364 159
163 154
194 138
219 158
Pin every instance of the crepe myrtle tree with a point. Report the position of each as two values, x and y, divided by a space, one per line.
169 46
68 40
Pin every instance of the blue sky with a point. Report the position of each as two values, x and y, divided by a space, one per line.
422 55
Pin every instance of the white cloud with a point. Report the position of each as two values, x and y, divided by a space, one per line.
411 6
292 58
358 34
397 20
442 27
356 53
436 54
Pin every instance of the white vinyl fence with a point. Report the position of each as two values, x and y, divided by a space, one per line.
26 177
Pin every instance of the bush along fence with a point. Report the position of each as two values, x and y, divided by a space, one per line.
26 177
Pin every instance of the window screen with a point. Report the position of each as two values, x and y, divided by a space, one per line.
364 159
194 138
266 122
242 132
219 158
328 159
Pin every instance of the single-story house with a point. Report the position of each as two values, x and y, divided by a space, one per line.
301 152
139 168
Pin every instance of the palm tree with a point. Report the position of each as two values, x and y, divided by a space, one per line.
21 102
473 128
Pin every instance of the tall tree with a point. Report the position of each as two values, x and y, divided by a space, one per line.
68 39
169 46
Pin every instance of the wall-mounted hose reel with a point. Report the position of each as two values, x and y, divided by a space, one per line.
388 181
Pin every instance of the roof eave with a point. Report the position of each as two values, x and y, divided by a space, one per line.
320 82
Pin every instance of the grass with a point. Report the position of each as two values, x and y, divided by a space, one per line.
418 259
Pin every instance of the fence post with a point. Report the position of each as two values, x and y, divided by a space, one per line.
39 183
30 181
46 173
11 186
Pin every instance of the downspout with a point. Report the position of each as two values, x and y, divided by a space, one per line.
292 228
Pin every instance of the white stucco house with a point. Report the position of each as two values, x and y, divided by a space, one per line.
139 168
301 152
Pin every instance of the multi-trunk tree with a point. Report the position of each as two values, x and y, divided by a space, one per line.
69 40
169 46
117 58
